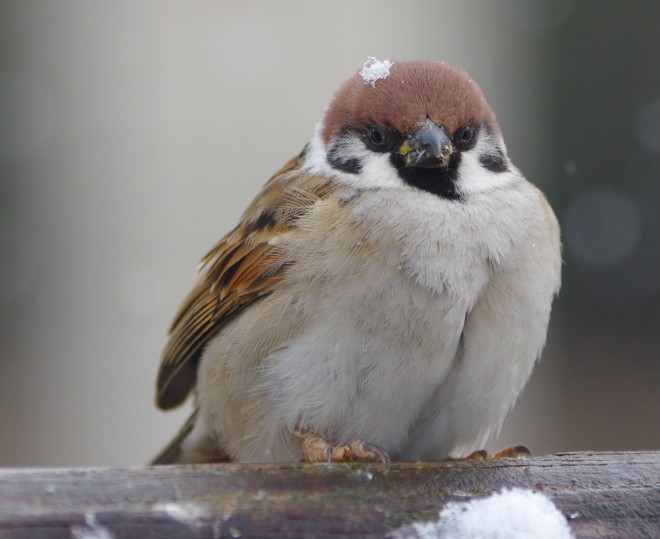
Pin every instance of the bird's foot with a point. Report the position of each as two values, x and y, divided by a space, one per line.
316 449
511 452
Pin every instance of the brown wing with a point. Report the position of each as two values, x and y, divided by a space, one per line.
242 268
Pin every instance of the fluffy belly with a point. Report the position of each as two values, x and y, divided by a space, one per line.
367 371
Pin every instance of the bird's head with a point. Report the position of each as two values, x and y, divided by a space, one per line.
424 124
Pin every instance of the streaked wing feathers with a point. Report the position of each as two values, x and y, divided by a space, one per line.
243 267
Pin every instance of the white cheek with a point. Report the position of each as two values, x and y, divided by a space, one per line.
377 171
315 157
474 178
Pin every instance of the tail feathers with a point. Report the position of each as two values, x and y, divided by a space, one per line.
191 445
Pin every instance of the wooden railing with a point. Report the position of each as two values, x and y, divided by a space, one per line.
601 494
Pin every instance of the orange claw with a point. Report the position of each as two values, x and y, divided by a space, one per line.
316 449
511 452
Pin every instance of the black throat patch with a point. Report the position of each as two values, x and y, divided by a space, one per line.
437 181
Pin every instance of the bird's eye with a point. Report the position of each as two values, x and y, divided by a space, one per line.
466 134
376 134
465 138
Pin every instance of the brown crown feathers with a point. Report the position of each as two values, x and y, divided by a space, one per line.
412 92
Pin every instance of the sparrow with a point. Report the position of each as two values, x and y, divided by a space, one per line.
385 296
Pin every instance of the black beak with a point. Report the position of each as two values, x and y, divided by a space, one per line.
428 147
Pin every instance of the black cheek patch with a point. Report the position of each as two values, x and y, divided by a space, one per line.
338 155
351 165
493 162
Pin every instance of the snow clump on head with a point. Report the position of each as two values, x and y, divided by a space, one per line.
373 70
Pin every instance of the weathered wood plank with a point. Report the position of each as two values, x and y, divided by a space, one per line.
602 494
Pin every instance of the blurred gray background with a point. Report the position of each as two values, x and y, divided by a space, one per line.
133 134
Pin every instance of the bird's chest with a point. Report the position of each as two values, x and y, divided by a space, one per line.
403 281
382 330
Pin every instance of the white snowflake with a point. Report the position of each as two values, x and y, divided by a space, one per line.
373 70
509 514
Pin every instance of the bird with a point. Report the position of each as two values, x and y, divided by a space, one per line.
385 296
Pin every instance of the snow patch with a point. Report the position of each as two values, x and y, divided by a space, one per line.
509 514
91 530
189 514
373 70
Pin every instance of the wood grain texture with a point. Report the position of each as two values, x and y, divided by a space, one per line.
602 495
